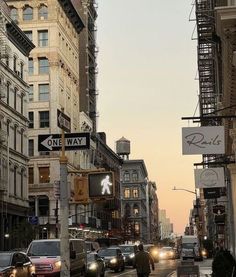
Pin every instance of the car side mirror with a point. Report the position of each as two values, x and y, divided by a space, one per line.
19 264
72 254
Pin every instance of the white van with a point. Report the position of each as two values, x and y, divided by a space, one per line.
45 256
190 248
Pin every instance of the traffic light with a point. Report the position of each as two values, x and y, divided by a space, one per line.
81 190
101 184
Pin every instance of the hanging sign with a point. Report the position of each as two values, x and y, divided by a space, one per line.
209 177
203 140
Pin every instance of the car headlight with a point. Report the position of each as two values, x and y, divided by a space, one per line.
172 253
204 252
32 269
113 261
92 266
14 271
154 252
132 255
57 265
162 254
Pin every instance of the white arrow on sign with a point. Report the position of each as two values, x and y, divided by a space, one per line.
51 142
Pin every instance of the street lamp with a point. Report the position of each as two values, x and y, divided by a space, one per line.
194 192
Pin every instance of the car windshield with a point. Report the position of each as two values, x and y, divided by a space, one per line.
5 259
91 257
166 249
126 249
44 248
107 252
188 245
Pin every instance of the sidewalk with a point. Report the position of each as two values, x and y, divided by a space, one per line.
204 267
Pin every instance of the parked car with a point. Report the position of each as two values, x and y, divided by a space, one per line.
45 256
166 253
153 251
15 264
129 251
113 257
95 265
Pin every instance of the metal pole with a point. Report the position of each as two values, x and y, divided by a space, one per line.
64 214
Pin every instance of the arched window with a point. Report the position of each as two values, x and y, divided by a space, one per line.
14 14
127 210
135 209
43 12
27 13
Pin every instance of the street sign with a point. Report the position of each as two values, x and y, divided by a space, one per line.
34 220
63 121
211 193
73 141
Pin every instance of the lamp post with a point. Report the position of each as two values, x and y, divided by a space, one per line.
197 207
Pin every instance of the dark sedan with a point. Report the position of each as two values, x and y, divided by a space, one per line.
15 264
95 265
113 257
129 251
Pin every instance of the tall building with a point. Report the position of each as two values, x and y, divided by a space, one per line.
153 212
53 68
14 50
134 195
87 55
166 227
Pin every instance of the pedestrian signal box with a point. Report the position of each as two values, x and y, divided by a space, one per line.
101 184
81 190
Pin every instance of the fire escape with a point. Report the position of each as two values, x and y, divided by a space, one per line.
207 47
92 65
3 135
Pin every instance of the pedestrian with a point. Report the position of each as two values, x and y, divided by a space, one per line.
142 262
223 264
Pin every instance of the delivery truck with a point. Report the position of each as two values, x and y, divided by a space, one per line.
190 248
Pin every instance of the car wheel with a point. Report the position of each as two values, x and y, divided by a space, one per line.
116 269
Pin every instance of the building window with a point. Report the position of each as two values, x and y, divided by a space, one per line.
44 175
135 209
31 147
31 175
31 93
29 35
137 228
127 193
31 119
8 127
43 205
43 66
126 177
15 136
43 12
135 193
22 104
7 60
14 14
27 13
44 119
14 63
15 97
21 70
44 92
127 210
22 183
43 38
135 176
8 93
15 171
31 66
22 142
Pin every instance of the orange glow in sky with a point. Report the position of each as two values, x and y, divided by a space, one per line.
147 66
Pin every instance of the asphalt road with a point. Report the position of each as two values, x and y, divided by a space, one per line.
162 269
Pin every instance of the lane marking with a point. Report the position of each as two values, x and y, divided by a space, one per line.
126 272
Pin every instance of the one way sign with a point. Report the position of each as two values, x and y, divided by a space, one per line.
73 141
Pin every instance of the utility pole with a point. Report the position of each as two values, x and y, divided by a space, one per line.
64 213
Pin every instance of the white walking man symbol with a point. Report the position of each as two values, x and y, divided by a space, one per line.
105 183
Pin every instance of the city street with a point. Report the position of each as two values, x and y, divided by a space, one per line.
162 269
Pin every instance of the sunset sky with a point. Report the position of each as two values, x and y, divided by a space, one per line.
146 81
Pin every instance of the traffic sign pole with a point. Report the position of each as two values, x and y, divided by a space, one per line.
64 214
